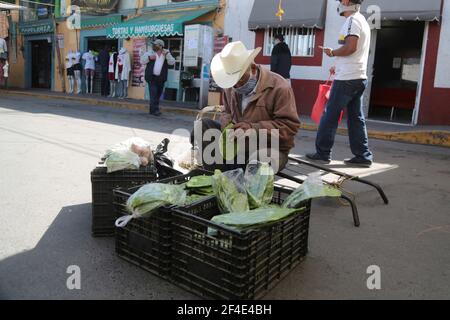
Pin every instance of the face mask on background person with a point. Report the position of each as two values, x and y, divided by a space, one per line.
352 8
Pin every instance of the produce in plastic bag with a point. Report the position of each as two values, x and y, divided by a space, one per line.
149 198
121 160
312 187
200 185
228 146
254 218
123 155
259 178
230 190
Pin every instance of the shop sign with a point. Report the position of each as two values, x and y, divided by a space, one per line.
46 27
145 30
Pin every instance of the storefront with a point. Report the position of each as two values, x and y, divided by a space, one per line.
93 36
408 64
138 34
38 54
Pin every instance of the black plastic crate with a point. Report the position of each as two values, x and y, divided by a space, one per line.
103 183
146 242
228 264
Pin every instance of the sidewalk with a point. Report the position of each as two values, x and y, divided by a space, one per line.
427 135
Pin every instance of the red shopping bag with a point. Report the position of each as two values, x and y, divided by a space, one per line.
321 102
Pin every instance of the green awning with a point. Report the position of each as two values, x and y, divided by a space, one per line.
160 24
99 21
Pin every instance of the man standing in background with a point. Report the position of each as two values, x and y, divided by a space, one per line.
280 61
158 61
348 88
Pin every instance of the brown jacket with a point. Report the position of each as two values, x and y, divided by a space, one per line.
271 107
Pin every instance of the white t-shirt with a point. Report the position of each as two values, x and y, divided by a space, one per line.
354 66
90 61
159 63
76 57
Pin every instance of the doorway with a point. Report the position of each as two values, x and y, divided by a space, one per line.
97 44
396 71
41 61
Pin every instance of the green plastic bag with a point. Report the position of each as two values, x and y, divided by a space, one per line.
254 218
199 182
312 187
259 179
150 197
230 191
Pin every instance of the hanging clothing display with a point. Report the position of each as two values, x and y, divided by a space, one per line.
112 74
123 65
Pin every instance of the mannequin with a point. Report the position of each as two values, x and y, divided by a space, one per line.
112 73
123 71
76 65
3 72
3 49
70 71
89 69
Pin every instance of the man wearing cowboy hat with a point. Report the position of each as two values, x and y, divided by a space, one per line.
255 99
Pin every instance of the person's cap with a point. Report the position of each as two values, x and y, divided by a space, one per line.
159 42
229 65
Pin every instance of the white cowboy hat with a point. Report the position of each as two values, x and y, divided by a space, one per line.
229 65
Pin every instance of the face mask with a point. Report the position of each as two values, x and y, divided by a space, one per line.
352 8
247 88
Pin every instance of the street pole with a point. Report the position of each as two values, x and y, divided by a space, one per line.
58 53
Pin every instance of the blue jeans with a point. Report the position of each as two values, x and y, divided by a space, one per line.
156 87
344 94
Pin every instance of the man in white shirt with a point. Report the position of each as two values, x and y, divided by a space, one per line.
158 61
348 87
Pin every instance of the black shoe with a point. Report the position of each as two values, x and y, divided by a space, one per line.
156 114
317 158
358 162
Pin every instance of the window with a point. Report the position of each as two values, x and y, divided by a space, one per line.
301 41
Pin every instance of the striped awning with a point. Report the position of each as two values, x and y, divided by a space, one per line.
298 13
160 24
100 21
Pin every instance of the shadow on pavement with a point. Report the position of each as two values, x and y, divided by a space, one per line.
41 272
110 115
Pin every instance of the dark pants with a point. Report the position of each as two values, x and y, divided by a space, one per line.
212 124
344 94
104 83
156 86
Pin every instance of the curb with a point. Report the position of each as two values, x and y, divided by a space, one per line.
432 137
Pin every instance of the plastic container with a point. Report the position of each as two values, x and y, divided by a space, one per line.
227 264
103 183
147 242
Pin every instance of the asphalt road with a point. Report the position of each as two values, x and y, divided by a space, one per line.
49 147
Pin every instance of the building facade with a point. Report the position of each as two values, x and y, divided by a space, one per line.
409 70
48 31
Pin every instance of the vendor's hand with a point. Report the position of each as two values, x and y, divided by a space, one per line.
152 57
240 129
243 126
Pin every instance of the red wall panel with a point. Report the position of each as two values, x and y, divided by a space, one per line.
434 102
